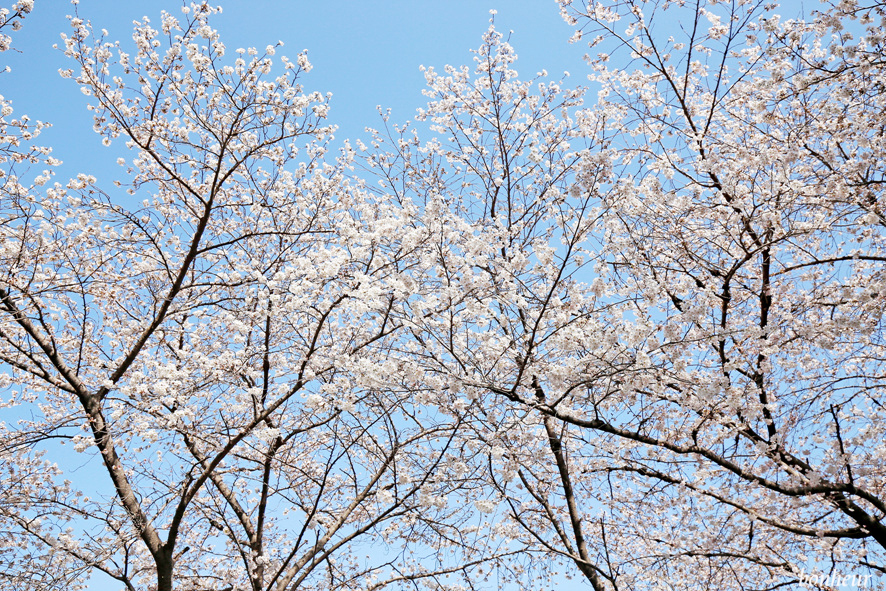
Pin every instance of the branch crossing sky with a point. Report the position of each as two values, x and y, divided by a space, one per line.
367 54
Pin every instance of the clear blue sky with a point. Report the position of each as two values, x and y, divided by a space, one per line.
366 53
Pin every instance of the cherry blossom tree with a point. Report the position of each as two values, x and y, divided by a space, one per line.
751 239
27 478
708 399
510 189
662 312
636 340
210 333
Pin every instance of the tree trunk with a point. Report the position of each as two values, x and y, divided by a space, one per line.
165 564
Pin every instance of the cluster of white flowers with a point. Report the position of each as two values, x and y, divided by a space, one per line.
643 335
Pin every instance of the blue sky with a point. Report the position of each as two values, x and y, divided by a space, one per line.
367 54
